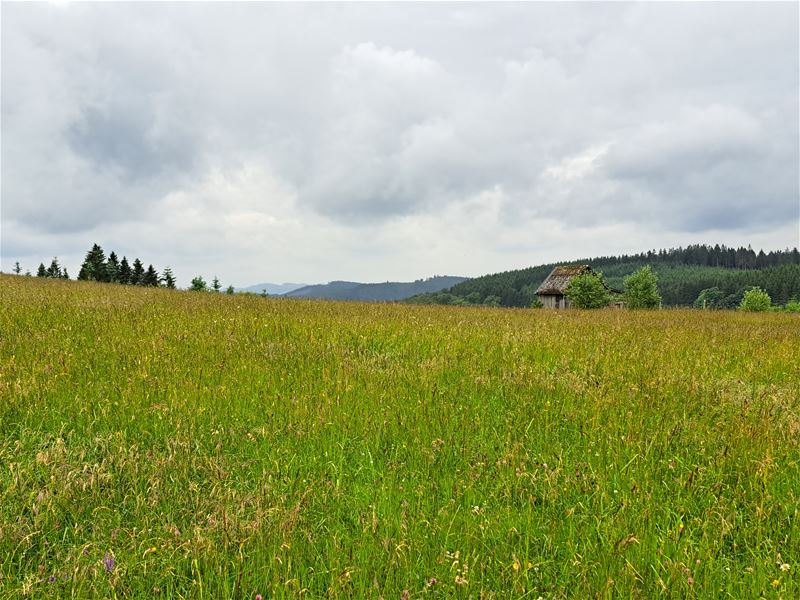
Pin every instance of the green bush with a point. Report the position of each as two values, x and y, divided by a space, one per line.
641 289
755 300
587 291
792 306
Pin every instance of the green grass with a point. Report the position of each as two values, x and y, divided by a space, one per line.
222 446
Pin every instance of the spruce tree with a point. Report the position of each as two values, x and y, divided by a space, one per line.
64 274
112 268
168 278
150 277
124 273
94 265
215 284
17 268
54 270
198 284
41 272
229 290
138 273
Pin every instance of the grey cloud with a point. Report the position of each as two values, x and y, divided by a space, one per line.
588 114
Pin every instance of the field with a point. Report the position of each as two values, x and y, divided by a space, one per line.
195 445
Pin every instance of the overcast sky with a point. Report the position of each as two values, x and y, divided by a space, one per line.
373 142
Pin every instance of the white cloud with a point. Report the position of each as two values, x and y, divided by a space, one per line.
312 142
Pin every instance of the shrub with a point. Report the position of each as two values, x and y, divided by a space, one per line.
641 289
755 300
792 306
587 291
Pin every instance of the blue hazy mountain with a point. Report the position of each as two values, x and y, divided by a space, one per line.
390 290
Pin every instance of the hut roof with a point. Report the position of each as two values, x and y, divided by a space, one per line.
559 278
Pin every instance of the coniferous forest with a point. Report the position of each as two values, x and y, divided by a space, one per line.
683 274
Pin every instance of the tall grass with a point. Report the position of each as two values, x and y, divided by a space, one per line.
188 445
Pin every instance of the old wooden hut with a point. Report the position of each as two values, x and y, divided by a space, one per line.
551 292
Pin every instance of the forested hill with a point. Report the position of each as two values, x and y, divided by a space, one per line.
388 291
682 274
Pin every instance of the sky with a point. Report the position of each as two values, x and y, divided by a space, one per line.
374 142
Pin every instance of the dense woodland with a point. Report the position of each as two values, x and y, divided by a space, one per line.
683 273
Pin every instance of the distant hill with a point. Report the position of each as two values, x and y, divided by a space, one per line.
682 273
388 291
273 289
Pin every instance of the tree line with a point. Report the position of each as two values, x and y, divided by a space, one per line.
97 267
683 273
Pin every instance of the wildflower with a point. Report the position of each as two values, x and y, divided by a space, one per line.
258 596
406 595
108 562
785 567
460 580
775 583
690 580
51 579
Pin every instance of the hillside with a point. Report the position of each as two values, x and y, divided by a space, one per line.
682 272
158 443
388 291
273 289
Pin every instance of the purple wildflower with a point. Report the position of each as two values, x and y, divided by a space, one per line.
51 579
108 561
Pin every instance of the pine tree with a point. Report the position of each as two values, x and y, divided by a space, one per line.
124 273
138 273
64 274
112 268
150 277
54 270
198 284
215 284
168 278
17 268
94 265
229 290
42 272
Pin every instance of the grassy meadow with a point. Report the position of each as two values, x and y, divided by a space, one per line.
162 444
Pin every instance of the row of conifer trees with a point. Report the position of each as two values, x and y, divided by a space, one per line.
96 267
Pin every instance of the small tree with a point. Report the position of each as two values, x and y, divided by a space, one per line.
150 277
112 268
137 273
793 306
124 272
229 290
94 265
199 284
168 278
709 298
17 268
755 300
215 284
41 271
587 291
54 270
641 289
64 274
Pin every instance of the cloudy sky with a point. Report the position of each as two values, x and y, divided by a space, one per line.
311 142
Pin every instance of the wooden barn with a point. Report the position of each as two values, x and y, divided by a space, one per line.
551 292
